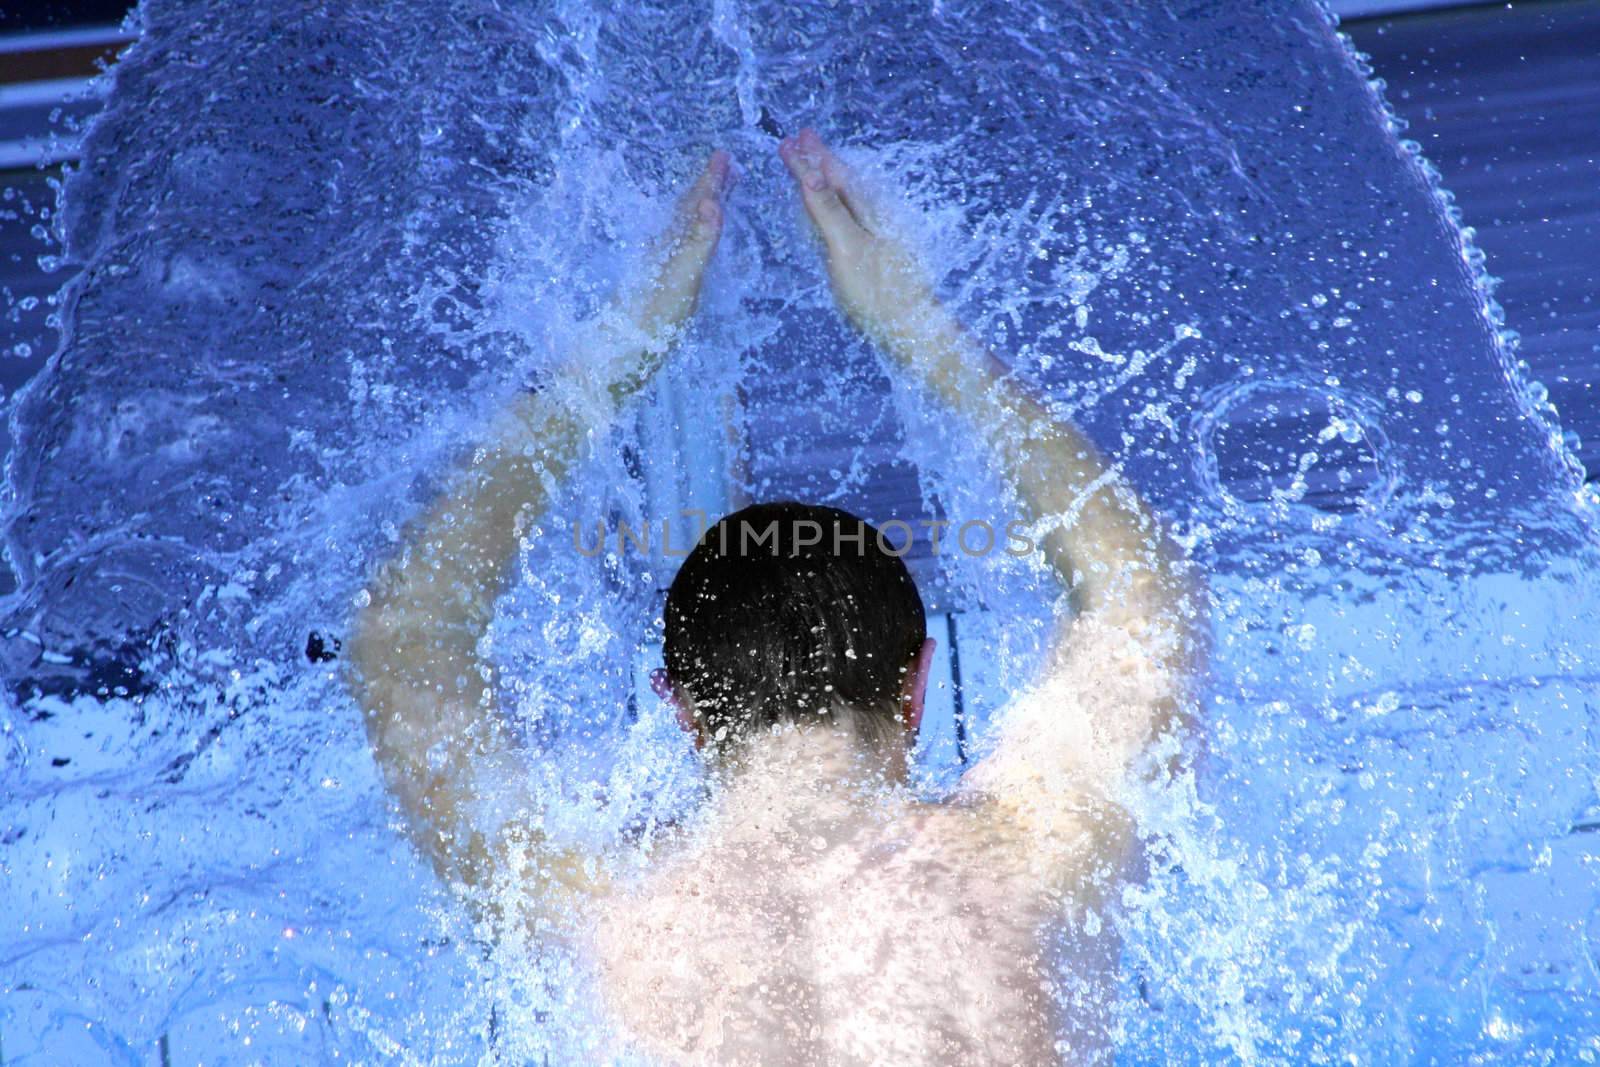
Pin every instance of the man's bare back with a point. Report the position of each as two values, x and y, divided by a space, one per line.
835 930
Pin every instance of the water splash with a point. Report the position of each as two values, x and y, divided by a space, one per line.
314 240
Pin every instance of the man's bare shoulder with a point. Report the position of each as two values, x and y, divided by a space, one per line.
981 836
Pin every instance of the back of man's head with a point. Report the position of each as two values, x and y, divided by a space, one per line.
789 612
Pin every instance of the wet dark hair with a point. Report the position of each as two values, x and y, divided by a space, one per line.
790 612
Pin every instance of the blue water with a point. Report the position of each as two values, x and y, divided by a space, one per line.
315 239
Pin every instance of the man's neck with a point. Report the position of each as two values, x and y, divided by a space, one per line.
803 759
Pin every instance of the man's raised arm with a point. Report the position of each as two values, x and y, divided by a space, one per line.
427 694
1102 540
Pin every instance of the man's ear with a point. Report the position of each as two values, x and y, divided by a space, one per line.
914 689
662 686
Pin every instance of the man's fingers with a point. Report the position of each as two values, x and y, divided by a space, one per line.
681 253
700 209
838 177
839 227
713 181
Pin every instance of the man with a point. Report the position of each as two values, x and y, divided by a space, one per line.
815 912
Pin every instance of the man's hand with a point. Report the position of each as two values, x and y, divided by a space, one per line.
682 253
879 284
